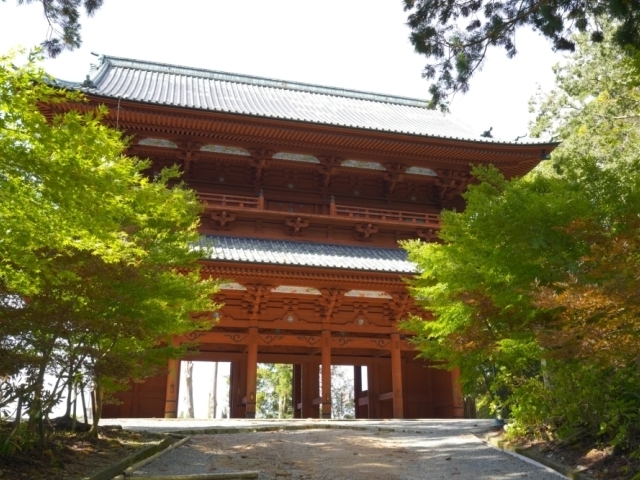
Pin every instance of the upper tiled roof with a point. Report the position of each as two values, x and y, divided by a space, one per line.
305 254
173 85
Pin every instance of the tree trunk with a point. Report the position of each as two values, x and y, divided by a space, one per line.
84 404
189 390
215 391
97 397
75 407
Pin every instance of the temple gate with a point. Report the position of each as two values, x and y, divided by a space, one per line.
306 192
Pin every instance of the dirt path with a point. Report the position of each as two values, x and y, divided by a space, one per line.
362 454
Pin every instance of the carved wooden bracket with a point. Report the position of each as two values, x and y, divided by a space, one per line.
189 152
294 226
258 161
222 220
255 299
450 183
394 175
328 167
331 299
399 305
365 231
427 234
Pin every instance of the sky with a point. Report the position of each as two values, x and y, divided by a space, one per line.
354 44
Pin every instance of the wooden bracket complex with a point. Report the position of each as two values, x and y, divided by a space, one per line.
294 226
222 220
365 231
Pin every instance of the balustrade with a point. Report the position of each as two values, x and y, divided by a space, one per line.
370 214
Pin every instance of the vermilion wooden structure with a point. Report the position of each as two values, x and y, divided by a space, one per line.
307 191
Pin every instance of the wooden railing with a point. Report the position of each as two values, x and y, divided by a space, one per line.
235 201
384 215
371 214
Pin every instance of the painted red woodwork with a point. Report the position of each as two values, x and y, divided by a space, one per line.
141 400
256 195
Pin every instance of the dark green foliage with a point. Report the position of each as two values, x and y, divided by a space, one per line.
534 287
456 34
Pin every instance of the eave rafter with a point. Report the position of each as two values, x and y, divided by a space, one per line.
311 277
282 134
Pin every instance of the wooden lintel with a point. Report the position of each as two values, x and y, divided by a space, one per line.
301 325
385 396
316 401
293 340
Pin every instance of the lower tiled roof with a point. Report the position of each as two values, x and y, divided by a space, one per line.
305 254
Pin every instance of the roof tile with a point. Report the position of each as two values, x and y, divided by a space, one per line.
307 254
243 94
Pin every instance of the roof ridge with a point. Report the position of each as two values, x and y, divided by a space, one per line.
122 62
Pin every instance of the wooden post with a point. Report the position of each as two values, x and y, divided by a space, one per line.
173 384
310 389
261 200
326 374
362 409
396 376
237 387
373 381
458 403
252 373
297 391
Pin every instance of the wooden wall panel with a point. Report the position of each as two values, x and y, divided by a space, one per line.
142 400
442 389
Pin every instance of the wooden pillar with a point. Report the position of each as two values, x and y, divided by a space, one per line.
326 374
237 388
173 386
310 389
396 376
297 391
361 398
252 373
458 403
374 375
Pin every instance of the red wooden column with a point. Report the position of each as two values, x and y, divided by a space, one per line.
326 374
310 389
458 403
237 388
396 376
297 391
252 373
173 385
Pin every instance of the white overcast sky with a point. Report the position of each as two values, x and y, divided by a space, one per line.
356 44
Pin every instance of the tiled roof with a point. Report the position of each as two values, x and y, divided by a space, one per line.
305 254
172 85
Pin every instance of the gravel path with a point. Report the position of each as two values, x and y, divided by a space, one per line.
329 450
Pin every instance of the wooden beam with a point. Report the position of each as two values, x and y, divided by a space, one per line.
293 340
385 396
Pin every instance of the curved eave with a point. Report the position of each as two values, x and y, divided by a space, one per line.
469 141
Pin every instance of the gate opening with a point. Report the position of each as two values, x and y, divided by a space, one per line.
204 389
274 394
